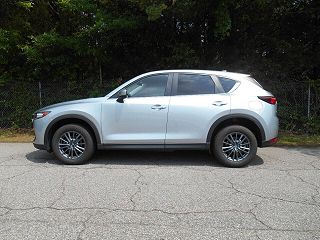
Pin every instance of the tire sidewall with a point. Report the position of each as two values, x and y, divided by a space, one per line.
218 142
89 150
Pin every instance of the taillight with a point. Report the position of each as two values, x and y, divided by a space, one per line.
269 99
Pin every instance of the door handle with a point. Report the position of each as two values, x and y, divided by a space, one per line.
219 103
158 107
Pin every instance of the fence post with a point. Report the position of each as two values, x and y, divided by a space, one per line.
40 95
309 93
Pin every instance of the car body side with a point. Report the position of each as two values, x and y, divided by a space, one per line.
243 107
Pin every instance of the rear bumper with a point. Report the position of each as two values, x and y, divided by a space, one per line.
269 142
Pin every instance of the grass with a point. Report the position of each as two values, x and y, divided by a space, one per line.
298 139
286 138
16 135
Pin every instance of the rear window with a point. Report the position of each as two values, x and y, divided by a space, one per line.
227 83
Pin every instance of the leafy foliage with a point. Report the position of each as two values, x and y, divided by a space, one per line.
98 41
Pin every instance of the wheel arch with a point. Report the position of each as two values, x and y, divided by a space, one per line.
238 119
70 119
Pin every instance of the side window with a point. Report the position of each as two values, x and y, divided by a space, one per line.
151 86
193 84
227 83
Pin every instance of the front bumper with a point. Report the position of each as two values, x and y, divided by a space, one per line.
40 146
39 132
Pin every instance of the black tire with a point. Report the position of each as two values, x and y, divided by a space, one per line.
238 153
86 144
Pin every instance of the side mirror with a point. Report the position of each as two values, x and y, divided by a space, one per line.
122 95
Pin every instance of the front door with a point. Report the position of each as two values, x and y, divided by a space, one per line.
142 117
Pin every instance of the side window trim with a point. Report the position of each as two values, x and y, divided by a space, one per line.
175 82
174 85
219 88
168 89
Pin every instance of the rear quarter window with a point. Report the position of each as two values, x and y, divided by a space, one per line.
227 83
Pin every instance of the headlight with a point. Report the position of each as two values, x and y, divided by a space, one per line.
38 115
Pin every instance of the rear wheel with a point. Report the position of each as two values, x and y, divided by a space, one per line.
73 144
235 146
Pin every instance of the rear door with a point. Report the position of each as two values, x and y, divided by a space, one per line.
197 101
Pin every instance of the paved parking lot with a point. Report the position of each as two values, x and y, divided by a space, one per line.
152 195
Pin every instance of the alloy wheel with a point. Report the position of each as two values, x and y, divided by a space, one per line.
236 146
72 144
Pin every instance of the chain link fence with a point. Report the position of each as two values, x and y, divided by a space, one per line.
19 101
298 106
298 103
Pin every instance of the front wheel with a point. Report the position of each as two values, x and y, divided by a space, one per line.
73 144
235 146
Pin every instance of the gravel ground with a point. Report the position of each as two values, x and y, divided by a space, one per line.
154 195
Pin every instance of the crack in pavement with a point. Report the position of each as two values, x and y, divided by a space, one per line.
150 224
257 218
62 192
17 175
7 211
312 164
138 191
178 215
269 198
314 186
84 226
86 222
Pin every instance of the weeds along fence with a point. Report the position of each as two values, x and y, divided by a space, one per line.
298 106
298 103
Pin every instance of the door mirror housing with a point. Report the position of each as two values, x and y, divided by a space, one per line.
122 95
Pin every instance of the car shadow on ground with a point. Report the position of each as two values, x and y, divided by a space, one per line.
176 158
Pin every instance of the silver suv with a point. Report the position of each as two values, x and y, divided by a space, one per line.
228 114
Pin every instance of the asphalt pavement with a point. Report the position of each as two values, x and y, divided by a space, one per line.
155 195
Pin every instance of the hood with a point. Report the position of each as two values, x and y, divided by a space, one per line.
80 101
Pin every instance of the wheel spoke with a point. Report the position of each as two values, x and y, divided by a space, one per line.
62 139
237 155
75 151
69 152
228 147
81 148
241 155
78 149
65 136
228 143
245 148
229 150
230 153
78 138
